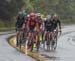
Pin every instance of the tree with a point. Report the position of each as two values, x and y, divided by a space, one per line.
9 9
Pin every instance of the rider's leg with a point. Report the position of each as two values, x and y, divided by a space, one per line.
17 33
47 37
57 31
24 34
37 38
50 35
44 37
21 34
53 37
29 38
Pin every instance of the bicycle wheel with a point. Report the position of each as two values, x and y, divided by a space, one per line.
17 41
44 45
24 39
25 36
38 45
44 42
20 44
48 43
21 40
55 43
31 48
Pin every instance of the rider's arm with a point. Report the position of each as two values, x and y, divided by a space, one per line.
27 25
59 23
23 23
16 24
45 25
41 24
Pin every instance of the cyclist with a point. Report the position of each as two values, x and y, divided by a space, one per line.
48 26
19 24
39 18
24 26
56 23
41 25
32 25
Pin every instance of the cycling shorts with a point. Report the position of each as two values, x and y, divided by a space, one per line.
31 29
19 29
49 30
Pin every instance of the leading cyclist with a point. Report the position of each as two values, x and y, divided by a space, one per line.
48 27
56 23
19 24
32 25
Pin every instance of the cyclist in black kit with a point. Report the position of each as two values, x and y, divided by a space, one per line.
48 24
56 23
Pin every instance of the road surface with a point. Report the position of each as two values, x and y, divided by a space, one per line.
64 52
8 53
66 46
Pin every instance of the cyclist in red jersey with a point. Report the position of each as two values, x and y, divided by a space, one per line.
32 25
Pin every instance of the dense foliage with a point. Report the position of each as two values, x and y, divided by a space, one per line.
64 8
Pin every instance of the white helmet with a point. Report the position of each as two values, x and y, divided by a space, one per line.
48 16
55 16
20 13
38 14
28 15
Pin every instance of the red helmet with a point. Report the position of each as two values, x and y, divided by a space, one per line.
32 14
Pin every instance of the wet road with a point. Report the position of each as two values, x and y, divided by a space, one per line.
8 53
66 47
64 52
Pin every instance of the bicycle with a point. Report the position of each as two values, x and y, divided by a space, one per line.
48 40
54 43
32 41
24 37
55 38
19 38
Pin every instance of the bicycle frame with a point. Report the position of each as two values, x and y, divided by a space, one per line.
55 33
32 40
49 40
20 37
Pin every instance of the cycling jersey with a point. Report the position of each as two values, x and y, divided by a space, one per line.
49 26
56 23
25 17
40 21
19 22
31 24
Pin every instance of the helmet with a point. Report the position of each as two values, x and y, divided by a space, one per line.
48 16
25 14
32 14
28 15
20 14
38 14
55 16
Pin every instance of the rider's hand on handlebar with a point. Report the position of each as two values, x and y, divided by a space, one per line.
60 31
23 26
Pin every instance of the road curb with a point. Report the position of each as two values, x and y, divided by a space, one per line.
23 50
